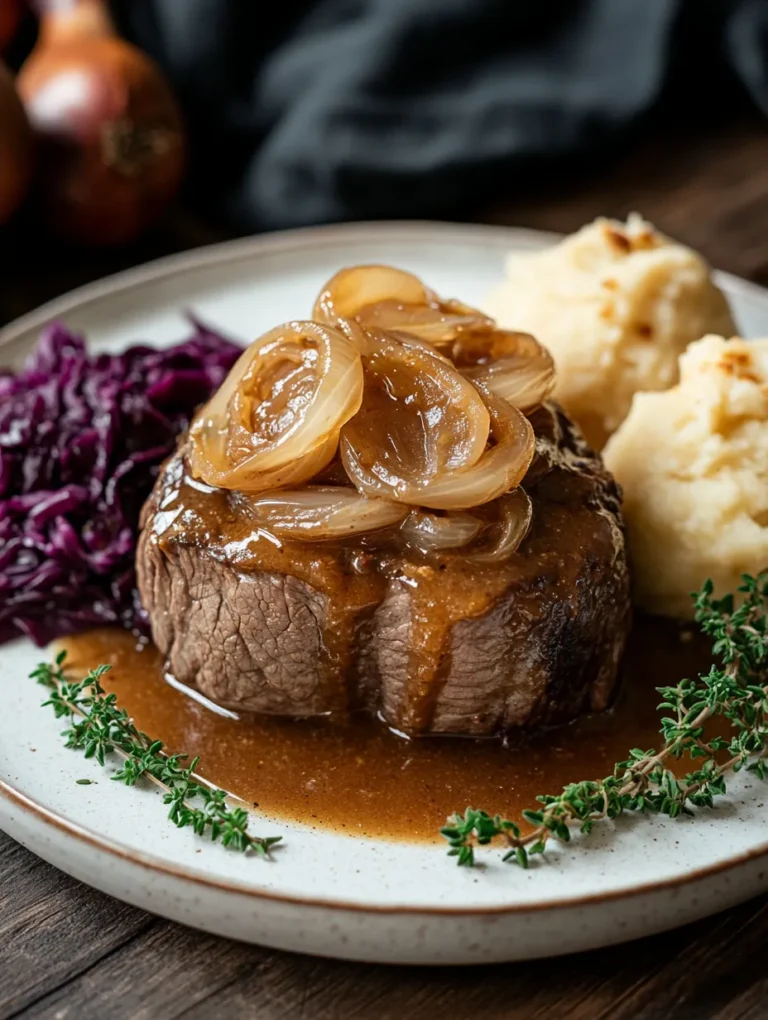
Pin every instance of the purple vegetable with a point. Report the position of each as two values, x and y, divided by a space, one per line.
81 441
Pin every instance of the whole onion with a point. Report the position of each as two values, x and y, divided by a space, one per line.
110 132
15 147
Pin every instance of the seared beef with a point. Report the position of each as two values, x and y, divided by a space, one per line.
434 647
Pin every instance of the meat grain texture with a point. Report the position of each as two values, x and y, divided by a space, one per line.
254 638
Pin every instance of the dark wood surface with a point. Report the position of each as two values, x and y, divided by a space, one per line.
69 953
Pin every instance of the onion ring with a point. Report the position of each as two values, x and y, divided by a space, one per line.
321 512
429 533
512 365
419 418
515 515
276 418
452 487
385 298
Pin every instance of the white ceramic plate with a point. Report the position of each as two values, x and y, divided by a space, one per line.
329 894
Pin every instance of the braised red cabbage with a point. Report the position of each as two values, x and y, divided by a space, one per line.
81 440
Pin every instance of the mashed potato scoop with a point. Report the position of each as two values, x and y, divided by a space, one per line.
615 304
693 463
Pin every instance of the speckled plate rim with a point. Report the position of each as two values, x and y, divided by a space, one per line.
286 242
155 864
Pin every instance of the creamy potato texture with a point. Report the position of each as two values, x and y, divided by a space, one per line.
615 303
693 463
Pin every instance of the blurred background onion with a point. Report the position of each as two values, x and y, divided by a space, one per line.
313 111
110 133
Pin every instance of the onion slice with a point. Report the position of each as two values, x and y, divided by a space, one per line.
385 298
321 512
515 516
430 533
275 420
368 339
500 468
419 418
351 290
514 366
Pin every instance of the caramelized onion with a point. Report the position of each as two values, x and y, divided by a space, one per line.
411 465
351 290
512 365
385 298
419 419
369 339
322 512
502 467
275 420
515 515
431 533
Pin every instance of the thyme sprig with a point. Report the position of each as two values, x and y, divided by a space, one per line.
99 728
736 691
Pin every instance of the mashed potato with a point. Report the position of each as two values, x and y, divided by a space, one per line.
693 462
615 304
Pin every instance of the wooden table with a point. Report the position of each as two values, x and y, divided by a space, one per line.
69 953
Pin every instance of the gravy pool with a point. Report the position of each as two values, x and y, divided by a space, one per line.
361 779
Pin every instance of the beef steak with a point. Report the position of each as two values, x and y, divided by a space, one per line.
433 646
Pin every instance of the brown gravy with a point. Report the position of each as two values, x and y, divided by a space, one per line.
361 779
574 542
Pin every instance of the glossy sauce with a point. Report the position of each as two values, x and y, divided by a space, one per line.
360 778
568 545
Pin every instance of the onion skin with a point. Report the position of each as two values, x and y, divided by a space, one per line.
110 132
16 147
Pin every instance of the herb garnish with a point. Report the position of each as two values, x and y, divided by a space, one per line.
99 728
735 691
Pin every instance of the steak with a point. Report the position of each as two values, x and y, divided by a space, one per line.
442 646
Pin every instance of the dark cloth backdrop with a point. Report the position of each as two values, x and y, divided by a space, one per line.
305 112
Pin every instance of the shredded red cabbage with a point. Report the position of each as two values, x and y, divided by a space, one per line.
81 440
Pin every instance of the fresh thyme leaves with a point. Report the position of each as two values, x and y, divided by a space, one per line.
99 728
735 691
